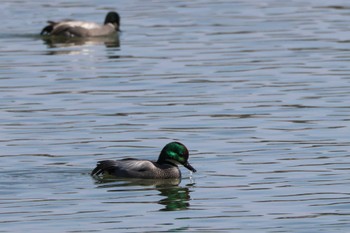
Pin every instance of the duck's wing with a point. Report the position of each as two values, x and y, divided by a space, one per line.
124 168
69 28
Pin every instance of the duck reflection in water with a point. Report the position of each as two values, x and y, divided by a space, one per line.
175 197
62 42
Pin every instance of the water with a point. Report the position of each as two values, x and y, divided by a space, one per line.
257 90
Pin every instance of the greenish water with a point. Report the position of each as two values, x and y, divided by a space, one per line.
257 90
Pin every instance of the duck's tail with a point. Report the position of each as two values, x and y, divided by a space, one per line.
48 29
102 167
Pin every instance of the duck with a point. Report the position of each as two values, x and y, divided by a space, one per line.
166 167
82 29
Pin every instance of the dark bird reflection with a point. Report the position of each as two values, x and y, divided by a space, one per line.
175 197
61 41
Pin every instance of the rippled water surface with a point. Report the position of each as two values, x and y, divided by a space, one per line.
257 90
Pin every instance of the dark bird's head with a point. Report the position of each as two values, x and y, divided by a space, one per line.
113 18
175 153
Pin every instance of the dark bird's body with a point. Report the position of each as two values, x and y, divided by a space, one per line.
73 28
165 167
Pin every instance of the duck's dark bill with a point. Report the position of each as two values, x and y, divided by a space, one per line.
189 167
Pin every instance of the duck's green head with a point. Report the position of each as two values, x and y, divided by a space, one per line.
113 18
175 153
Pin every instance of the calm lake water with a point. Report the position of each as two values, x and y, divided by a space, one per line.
257 90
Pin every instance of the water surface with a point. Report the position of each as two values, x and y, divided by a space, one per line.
257 90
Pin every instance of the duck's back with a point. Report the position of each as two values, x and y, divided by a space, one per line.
134 168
